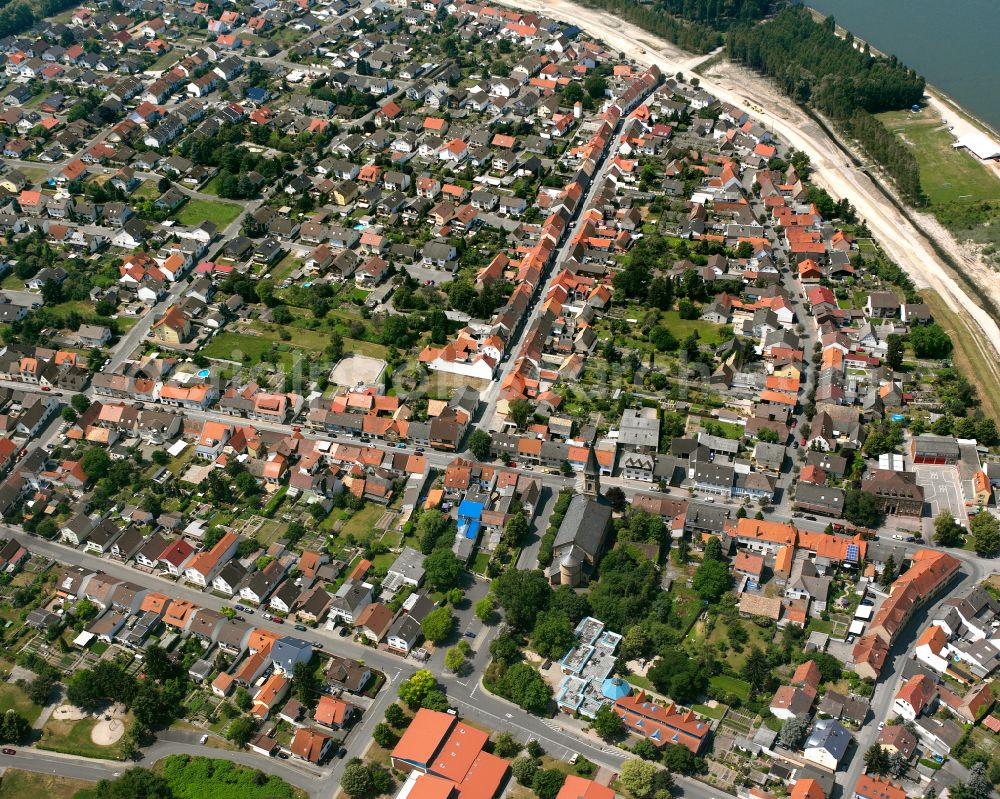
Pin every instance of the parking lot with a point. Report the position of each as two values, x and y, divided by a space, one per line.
942 490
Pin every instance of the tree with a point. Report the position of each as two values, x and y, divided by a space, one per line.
357 780
242 699
617 498
678 676
241 730
515 531
756 670
608 724
454 659
679 759
646 749
636 643
876 760
14 728
306 684
524 770
383 735
575 606
525 687
95 463
520 411
40 689
69 415
396 717
793 732
480 444
547 783
888 572
485 610
947 532
432 527
553 635
80 402
712 579
522 595
986 432
413 690
443 571
136 783
977 786
985 533
862 509
435 699
84 611
930 341
636 777
505 745
437 625
894 353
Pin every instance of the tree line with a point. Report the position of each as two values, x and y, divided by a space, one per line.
656 19
813 65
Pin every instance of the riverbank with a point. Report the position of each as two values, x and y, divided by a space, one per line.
961 122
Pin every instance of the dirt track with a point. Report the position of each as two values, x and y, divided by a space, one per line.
832 169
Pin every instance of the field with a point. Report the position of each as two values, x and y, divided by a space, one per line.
970 354
13 698
17 784
946 174
194 212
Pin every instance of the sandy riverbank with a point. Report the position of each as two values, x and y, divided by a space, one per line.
832 169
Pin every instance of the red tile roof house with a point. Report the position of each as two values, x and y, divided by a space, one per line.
439 745
269 695
205 565
176 556
310 745
915 695
333 713
659 724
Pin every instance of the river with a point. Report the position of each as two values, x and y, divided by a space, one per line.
952 43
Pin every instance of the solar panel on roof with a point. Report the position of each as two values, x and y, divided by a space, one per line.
852 552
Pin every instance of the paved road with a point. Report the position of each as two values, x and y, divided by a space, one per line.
492 394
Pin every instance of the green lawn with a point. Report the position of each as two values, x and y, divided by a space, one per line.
147 191
682 328
17 784
731 685
194 212
361 523
232 346
716 712
946 173
63 309
13 698
212 187
166 61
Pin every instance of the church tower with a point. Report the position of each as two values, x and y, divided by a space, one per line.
588 482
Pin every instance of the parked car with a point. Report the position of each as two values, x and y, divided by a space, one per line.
300 627
8 751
